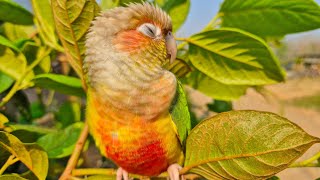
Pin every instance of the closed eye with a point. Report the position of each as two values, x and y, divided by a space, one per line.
149 30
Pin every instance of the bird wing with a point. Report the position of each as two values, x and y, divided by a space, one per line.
180 114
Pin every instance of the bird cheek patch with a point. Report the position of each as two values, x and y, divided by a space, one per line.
131 41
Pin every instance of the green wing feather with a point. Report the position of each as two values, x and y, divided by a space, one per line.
180 114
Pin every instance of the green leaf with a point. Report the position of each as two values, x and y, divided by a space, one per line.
213 88
220 106
274 178
11 177
60 83
62 143
4 41
180 114
232 56
179 68
244 145
39 160
270 17
72 19
34 52
16 148
9 61
44 22
69 112
178 10
5 82
16 32
31 128
14 13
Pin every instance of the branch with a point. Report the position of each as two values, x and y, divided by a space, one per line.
11 160
307 163
113 172
72 162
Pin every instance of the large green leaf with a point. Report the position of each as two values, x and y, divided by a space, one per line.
64 84
44 22
244 145
270 17
231 56
14 13
39 160
72 19
177 9
180 114
61 144
16 148
213 88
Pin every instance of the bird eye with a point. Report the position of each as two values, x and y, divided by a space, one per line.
149 30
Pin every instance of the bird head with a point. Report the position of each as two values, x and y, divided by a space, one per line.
138 30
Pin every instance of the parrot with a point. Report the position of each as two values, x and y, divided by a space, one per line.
130 93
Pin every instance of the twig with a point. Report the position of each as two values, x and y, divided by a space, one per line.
307 163
11 160
72 162
113 172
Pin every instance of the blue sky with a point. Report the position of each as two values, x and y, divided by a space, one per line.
201 12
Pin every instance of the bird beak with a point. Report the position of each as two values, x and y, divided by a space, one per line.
171 47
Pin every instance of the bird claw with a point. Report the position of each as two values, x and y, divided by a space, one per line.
121 173
173 171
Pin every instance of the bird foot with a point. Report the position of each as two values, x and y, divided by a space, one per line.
121 173
173 171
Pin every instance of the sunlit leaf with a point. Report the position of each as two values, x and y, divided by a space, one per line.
12 12
245 145
16 32
180 114
9 61
177 9
213 88
11 177
231 56
60 83
73 19
270 17
16 148
3 121
44 22
39 160
61 143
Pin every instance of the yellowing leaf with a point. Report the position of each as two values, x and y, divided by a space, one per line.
39 160
72 19
244 145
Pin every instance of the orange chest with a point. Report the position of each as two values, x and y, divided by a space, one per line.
137 148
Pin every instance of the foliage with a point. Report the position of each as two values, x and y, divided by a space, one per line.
41 54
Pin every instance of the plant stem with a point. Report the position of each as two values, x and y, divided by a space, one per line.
72 162
113 172
307 163
11 160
